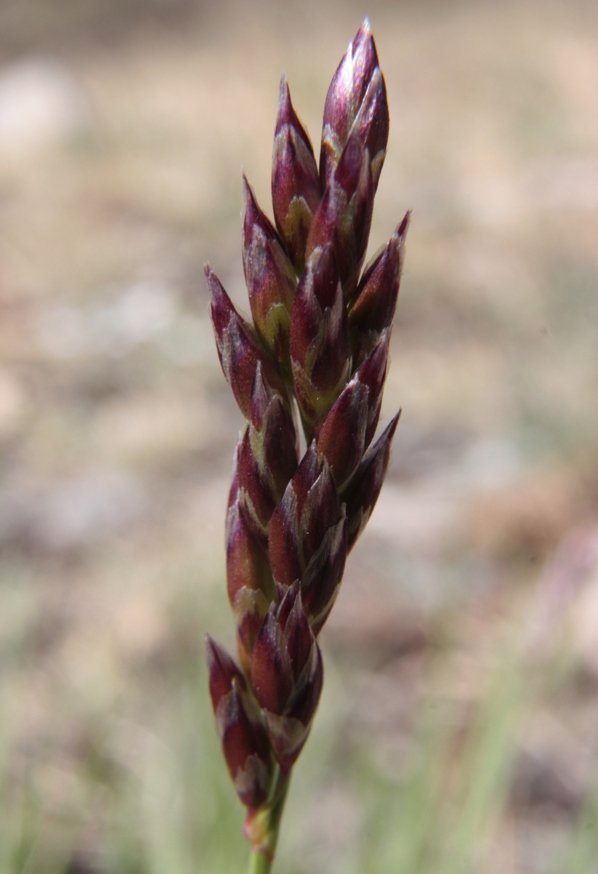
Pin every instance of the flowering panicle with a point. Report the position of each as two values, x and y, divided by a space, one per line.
316 353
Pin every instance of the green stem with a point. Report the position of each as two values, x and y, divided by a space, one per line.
264 827
259 864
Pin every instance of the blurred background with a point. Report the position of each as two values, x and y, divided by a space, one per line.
457 729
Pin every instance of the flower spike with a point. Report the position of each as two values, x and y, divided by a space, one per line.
313 358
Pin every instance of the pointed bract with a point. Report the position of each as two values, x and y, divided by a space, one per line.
272 436
364 487
320 342
296 510
286 675
356 104
222 672
295 180
307 537
246 559
372 373
344 215
244 741
246 750
323 575
249 577
376 298
254 487
238 347
270 279
271 673
350 425
342 435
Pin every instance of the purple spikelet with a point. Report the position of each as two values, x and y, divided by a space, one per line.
315 357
